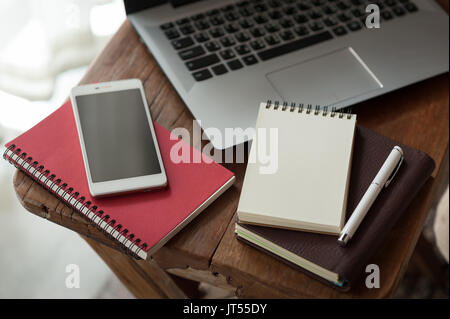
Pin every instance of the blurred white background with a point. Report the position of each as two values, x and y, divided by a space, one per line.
45 48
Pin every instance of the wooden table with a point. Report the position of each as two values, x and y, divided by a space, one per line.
206 250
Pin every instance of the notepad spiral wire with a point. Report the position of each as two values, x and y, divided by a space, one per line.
68 195
308 109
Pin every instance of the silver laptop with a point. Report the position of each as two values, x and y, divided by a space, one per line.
225 57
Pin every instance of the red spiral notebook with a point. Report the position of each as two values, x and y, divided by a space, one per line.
50 153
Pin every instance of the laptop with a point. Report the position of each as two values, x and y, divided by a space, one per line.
225 57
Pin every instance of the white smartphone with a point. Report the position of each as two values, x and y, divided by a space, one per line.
117 138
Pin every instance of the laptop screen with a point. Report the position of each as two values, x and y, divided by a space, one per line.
132 6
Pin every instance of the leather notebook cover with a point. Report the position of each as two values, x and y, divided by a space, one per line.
370 152
142 222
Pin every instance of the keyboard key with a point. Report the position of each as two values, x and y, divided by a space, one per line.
411 7
187 29
182 21
217 32
235 65
379 4
318 3
257 32
315 15
303 7
242 49
274 4
241 4
202 25
172 34
274 15
167 26
202 75
272 27
212 12
399 11
286 35
212 46
192 53
227 8
231 16
339 31
246 23
227 54
246 12
328 10
342 5
386 15
202 62
344 17
260 7
242 36
357 13
329 22
316 26
272 39
294 45
257 44
201 37
260 19
390 3
250 59
301 18
197 17
301 30
231 27
219 69
182 43
290 10
354 26
227 41
215 20
286 23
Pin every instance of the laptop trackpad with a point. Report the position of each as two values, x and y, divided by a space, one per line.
325 80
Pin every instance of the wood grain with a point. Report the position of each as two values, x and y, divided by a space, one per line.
144 279
416 115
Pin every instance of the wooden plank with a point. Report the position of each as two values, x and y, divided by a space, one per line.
144 279
207 276
38 201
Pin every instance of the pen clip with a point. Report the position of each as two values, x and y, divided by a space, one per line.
394 172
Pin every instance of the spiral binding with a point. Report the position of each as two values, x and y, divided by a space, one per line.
110 227
308 109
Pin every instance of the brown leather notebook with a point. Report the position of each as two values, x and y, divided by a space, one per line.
319 255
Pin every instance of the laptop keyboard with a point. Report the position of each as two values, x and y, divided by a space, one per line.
231 37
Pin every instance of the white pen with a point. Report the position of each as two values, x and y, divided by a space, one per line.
382 179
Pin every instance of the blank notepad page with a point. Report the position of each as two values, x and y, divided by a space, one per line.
302 181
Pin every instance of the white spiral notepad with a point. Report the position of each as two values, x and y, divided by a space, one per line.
308 189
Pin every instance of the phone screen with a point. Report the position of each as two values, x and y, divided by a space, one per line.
117 135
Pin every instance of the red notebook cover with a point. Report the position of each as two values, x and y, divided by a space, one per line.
50 153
